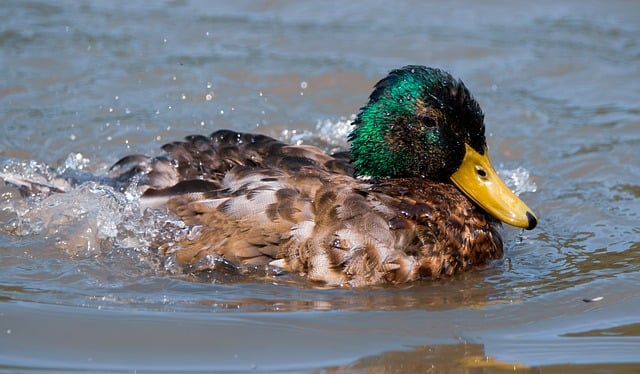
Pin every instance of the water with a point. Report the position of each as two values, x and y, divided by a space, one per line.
86 83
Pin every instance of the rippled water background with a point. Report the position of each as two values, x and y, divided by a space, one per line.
558 80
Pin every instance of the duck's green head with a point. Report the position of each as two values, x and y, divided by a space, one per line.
422 122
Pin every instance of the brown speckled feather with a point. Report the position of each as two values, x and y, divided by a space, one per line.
254 200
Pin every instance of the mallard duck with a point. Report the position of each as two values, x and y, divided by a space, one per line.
415 197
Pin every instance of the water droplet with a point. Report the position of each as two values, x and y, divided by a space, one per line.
599 298
303 85
209 96
72 137
221 111
183 96
194 232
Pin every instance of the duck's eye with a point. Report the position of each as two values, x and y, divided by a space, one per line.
481 172
428 122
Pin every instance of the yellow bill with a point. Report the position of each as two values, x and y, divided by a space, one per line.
480 182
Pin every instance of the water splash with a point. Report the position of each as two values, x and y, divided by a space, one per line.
81 216
87 218
32 176
329 135
518 179
74 161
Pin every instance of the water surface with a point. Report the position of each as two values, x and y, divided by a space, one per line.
85 83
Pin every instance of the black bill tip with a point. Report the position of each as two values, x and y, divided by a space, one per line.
533 221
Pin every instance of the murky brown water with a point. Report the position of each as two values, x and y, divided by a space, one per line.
559 85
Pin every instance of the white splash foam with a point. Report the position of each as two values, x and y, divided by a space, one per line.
31 173
74 161
329 135
84 219
517 179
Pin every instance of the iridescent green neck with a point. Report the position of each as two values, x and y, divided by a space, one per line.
372 154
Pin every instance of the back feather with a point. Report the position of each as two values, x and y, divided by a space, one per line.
254 200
